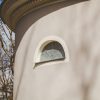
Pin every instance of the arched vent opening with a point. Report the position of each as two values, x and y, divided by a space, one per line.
52 51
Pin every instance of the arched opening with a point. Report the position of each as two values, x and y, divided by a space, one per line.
52 51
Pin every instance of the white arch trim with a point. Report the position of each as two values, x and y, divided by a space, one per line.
46 41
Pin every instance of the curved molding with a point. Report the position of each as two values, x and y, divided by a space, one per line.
46 41
13 10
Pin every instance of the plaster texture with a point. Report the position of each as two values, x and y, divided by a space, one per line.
78 27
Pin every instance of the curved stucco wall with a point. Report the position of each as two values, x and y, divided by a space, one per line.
34 15
78 26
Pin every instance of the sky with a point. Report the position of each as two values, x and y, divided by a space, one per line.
1 1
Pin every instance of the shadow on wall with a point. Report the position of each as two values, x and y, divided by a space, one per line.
32 17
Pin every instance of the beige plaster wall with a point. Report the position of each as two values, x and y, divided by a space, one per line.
25 22
78 27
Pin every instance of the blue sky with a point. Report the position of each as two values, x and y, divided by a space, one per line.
1 1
